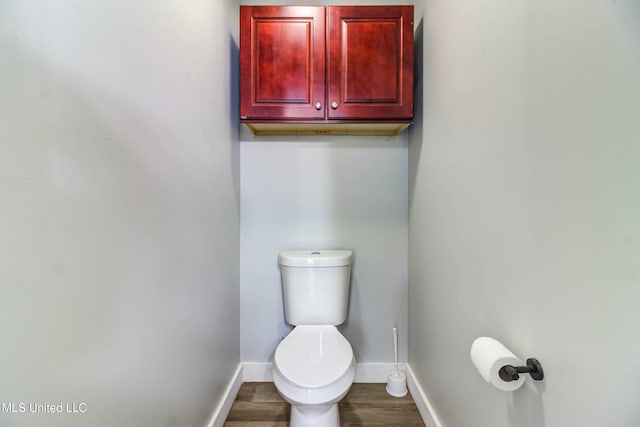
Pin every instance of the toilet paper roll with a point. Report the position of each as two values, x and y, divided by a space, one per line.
489 355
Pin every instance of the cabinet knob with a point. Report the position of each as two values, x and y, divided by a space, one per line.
318 106
334 105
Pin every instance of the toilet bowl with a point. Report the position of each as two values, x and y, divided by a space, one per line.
313 370
313 366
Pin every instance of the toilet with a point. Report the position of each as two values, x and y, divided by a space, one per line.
314 366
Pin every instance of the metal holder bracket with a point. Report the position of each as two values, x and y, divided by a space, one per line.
510 373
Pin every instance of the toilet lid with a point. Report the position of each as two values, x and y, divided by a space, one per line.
313 356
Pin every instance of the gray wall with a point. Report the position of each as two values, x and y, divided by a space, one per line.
329 192
525 206
119 201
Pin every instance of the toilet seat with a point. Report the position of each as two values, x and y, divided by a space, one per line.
313 356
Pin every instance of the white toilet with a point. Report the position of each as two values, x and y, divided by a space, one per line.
313 366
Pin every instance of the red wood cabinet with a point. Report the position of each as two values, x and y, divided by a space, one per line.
337 65
282 62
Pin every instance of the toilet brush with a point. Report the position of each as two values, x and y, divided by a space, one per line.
395 347
396 380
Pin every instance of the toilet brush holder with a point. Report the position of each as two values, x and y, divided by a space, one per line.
396 380
397 384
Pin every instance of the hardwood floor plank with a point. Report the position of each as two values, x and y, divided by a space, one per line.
369 415
258 411
366 405
266 392
373 392
246 392
256 424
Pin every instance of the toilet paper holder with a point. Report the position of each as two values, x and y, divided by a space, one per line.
511 373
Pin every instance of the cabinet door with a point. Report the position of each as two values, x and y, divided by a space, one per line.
282 62
370 62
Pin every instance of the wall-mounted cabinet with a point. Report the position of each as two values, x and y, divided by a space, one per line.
337 69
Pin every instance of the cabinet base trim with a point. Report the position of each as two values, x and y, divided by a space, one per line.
326 128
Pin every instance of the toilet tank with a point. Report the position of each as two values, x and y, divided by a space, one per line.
315 286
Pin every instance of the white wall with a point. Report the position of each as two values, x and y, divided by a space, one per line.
524 207
326 193
119 201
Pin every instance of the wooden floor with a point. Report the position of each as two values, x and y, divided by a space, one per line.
366 405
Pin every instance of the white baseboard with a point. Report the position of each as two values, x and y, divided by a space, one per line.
219 415
422 402
365 373
257 372
375 372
